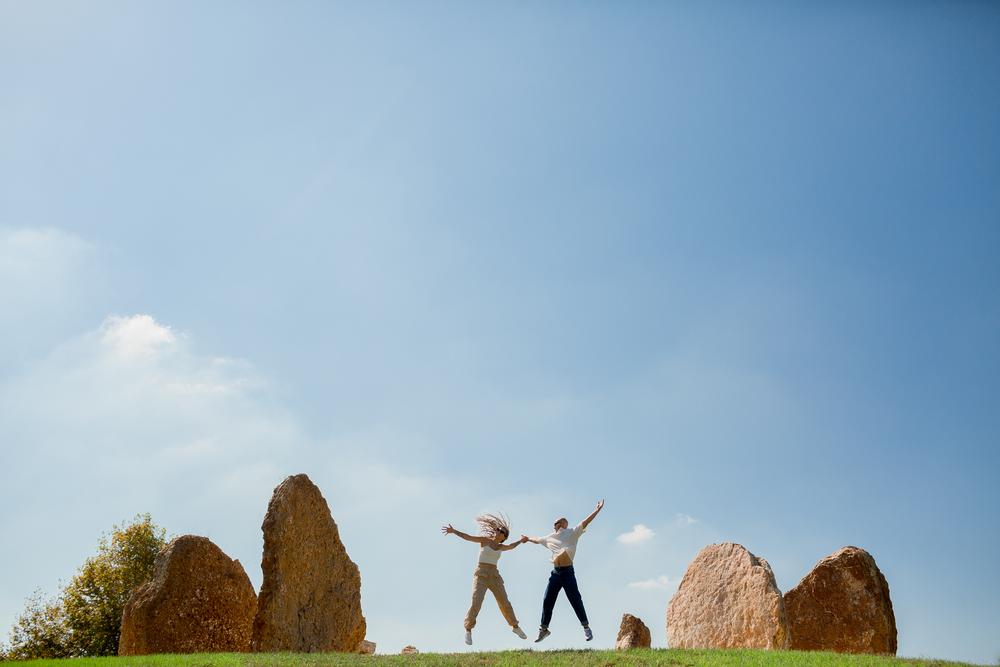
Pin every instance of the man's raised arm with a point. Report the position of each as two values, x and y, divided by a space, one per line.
586 522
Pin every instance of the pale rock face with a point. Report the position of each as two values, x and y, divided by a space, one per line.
198 601
409 650
632 634
842 605
366 647
727 599
310 599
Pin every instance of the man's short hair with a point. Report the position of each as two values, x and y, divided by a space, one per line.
559 521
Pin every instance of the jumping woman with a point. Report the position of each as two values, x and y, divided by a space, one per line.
495 531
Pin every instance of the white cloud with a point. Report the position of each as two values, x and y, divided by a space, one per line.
135 336
638 534
661 583
684 519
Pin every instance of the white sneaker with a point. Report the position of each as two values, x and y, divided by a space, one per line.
519 632
468 637
587 633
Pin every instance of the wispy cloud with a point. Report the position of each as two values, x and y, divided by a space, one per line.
639 533
684 519
661 583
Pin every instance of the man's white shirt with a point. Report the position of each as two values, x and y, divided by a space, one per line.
563 541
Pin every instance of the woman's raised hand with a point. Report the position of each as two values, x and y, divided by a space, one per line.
524 538
447 530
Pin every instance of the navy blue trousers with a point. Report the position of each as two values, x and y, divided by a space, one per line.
563 578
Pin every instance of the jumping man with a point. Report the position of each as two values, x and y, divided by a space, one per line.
562 544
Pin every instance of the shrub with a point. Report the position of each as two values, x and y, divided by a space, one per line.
40 631
85 619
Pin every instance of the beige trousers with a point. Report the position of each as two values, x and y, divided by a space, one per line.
487 578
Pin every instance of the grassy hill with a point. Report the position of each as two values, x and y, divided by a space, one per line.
653 658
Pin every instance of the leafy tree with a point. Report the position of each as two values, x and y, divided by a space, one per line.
40 631
85 620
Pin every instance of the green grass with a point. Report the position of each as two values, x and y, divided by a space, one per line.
653 658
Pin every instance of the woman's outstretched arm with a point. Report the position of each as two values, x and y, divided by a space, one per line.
449 530
512 545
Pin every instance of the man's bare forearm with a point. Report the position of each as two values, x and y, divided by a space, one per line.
597 510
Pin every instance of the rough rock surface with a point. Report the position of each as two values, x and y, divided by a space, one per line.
199 600
632 634
310 599
727 599
842 605
366 647
409 650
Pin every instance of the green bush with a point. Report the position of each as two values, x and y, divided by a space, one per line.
85 619
40 632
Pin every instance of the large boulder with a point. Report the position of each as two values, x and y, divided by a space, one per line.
842 605
727 599
311 596
632 634
198 601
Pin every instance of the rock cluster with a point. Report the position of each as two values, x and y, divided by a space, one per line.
728 598
199 600
842 605
632 634
409 650
310 599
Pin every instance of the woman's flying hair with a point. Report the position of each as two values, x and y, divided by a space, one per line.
491 525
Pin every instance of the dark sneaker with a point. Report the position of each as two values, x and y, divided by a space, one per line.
587 633
542 634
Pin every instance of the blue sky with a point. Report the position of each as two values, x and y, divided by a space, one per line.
734 268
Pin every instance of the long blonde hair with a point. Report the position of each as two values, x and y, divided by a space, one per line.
491 525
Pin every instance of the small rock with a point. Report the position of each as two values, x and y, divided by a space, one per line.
842 605
632 634
366 647
727 599
409 650
198 601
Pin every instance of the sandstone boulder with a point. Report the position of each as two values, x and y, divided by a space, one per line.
199 600
310 599
366 647
409 650
842 605
727 599
632 634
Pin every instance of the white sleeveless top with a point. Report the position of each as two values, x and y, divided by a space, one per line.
489 555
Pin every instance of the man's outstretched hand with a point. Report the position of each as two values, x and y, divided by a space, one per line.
447 530
600 505
524 538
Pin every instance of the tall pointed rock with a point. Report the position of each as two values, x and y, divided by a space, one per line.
310 600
